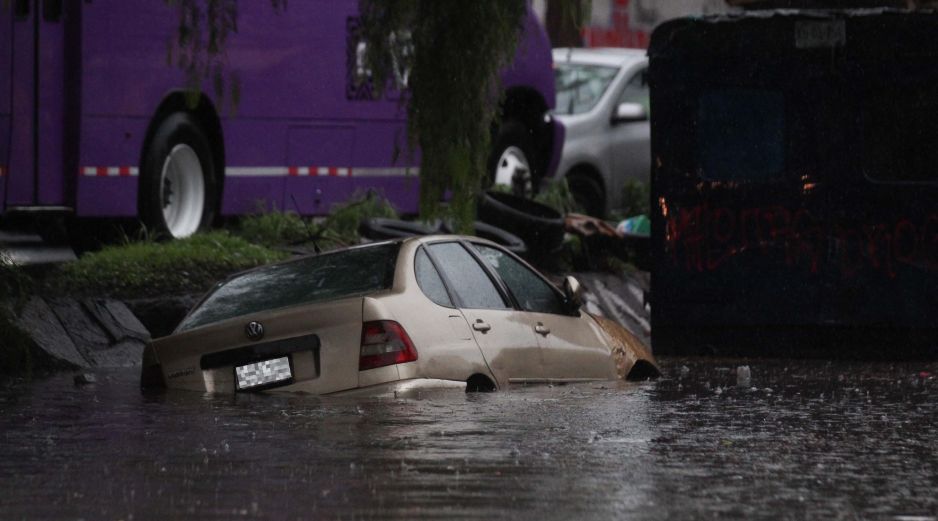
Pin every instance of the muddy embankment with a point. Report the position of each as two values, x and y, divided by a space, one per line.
46 334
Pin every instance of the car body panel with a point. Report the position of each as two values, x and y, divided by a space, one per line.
445 346
572 347
510 347
337 324
449 350
616 152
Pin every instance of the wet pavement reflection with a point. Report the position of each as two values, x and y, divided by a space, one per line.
804 440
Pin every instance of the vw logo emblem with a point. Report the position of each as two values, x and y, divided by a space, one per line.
254 330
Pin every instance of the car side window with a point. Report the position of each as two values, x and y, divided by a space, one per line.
636 91
531 291
466 278
429 280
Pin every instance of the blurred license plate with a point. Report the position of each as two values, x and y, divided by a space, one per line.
263 373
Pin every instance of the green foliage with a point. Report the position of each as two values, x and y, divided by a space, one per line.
636 198
342 224
274 228
156 268
454 52
340 228
558 196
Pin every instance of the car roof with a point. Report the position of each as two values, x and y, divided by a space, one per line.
444 237
609 56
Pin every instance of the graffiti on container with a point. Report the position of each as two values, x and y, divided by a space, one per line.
704 238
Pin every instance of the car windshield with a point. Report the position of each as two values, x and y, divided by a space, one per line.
579 86
347 273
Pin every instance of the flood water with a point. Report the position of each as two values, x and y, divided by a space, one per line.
806 440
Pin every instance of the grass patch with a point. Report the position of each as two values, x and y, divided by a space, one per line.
636 199
149 269
274 228
282 229
342 224
558 196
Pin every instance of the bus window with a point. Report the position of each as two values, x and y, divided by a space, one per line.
741 134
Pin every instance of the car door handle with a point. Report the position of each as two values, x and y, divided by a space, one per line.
481 326
541 329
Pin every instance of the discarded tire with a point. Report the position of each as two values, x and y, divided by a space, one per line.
379 229
509 241
539 226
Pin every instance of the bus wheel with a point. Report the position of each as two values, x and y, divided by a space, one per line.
511 161
177 182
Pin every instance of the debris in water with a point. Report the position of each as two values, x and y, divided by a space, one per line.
85 379
743 376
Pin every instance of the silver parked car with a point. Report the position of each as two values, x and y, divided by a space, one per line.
424 312
602 101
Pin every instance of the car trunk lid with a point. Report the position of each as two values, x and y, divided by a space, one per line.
321 342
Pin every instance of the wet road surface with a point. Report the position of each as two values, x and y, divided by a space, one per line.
806 440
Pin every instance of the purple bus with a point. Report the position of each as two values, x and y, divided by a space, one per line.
94 121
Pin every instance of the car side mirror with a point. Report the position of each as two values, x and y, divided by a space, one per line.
629 113
573 292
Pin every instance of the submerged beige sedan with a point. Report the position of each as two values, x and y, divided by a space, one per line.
391 317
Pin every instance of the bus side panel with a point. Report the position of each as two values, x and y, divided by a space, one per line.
331 127
298 62
124 46
108 172
6 79
51 108
532 65
331 154
295 67
256 165
20 179
124 77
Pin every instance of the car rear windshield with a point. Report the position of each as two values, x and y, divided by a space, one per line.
328 276
579 86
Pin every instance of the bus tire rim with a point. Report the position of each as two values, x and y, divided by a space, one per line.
514 170
182 191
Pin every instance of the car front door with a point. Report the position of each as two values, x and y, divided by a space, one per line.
508 344
572 346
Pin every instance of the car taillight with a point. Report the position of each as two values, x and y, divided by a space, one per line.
384 342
